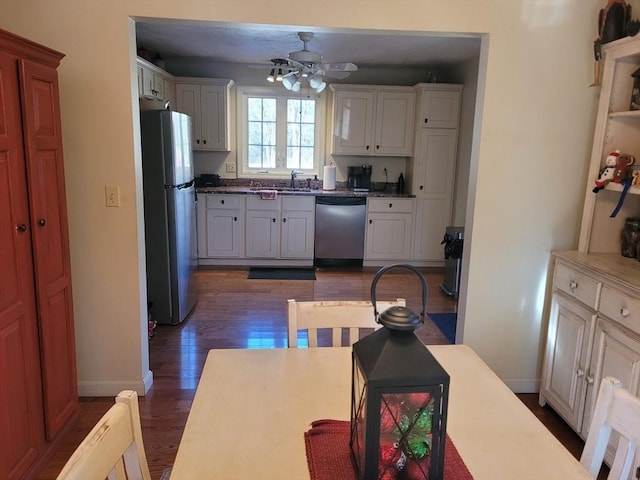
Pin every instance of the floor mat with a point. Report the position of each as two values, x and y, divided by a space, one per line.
446 322
281 273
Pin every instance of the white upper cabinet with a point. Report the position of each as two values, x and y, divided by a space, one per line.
372 120
439 108
153 82
207 102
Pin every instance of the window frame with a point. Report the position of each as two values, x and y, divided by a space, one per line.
243 93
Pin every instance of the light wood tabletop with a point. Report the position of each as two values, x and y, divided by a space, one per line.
252 407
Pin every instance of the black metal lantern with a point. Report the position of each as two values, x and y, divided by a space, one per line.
399 398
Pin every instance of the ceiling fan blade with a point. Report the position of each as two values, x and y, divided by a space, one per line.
336 75
338 67
260 65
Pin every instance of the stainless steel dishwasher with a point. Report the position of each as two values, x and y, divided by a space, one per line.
339 235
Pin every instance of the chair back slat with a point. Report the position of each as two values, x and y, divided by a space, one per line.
335 315
616 410
113 449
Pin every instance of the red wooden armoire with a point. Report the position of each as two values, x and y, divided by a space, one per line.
38 385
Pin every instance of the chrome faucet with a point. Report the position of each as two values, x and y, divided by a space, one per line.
294 174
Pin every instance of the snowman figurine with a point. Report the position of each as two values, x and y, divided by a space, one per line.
606 173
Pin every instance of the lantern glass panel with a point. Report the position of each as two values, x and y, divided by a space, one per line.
406 421
358 412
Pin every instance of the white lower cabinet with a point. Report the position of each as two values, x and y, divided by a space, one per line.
593 332
297 227
263 227
220 226
389 229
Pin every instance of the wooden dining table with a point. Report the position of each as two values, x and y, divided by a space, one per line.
252 407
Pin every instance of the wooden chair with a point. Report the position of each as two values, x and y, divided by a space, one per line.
113 449
616 409
334 315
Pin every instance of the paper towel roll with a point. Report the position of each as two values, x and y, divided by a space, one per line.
329 178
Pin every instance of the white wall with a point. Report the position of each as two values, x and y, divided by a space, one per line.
529 158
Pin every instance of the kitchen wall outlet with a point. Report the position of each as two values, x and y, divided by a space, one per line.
112 195
231 167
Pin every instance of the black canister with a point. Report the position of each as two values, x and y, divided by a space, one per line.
630 237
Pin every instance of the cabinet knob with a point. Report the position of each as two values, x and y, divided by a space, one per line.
273 220
391 205
370 222
589 380
426 120
222 202
197 141
284 220
21 228
235 219
367 147
421 187
42 222
204 141
624 312
377 147
573 284
580 373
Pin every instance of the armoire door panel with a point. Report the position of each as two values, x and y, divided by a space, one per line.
21 415
44 160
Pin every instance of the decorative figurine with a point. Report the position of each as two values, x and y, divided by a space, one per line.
606 173
613 23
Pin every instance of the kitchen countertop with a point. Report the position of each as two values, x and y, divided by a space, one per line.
298 191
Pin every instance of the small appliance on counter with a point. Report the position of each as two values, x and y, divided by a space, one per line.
208 180
453 243
359 178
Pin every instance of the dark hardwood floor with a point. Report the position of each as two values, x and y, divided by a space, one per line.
233 312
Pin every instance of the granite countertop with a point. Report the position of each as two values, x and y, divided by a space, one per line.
298 191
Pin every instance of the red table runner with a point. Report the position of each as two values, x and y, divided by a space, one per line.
329 455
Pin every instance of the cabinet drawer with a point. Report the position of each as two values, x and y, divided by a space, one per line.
254 202
298 203
621 308
577 285
391 204
224 201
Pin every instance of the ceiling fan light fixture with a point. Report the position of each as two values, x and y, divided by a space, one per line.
279 77
271 78
290 80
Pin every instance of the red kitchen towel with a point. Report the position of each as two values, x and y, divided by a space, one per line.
329 456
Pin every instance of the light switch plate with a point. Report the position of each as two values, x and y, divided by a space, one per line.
112 195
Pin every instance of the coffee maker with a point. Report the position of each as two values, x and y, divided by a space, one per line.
359 178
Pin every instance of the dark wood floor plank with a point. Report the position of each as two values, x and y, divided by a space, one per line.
234 312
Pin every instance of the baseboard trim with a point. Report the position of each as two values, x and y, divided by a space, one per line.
523 386
113 388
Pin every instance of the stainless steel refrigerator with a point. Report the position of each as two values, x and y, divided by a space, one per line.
169 214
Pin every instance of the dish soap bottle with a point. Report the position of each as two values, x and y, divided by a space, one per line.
314 182
400 186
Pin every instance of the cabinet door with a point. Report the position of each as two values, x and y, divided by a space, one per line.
616 353
213 117
433 184
353 123
394 123
440 109
45 167
563 377
263 233
188 101
388 236
297 234
220 226
22 421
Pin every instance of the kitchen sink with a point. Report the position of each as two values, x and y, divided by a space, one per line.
281 189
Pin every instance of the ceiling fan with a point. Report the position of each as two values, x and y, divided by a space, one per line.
304 63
